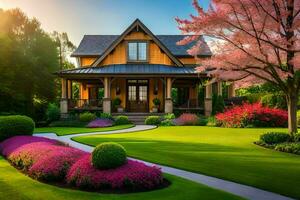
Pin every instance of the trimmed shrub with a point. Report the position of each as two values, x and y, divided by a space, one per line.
186 119
53 112
87 117
152 120
156 101
202 121
15 125
120 120
133 175
100 123
108 155
169 116
275 138
105 116
288 147
252 115
211 121
167 122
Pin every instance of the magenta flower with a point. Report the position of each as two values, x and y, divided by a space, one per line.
99 123
132 175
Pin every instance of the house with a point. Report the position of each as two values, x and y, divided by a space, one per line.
135 67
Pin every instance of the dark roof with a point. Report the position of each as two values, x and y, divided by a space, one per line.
95 45
131 69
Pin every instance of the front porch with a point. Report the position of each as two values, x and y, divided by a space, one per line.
137 89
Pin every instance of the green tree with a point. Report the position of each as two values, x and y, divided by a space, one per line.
28 58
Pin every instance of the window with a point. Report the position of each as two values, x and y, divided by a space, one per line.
137 51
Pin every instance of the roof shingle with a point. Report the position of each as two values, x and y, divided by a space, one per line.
95 45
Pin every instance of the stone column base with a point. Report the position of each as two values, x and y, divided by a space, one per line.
106 105
207 107
168 105
63 108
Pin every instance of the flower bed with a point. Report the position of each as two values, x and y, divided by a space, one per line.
133 175
98 123
50 160
186 119
252 115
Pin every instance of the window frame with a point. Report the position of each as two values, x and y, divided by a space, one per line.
137 48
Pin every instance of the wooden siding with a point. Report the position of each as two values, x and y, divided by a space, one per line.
86 61
122 84
160 94
188 61
119 54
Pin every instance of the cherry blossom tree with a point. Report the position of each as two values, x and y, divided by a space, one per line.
257 41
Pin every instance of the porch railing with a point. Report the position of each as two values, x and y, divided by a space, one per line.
189 104
85 104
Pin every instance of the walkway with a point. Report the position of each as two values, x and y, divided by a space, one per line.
245 191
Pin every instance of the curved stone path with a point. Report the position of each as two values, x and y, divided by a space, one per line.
245 191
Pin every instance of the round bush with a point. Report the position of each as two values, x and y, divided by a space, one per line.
275 138
15 125
152 120
87 117
120 120
108 155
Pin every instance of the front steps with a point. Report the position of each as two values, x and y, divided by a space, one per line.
138 118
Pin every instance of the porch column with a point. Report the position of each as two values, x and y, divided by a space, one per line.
106 99
219 88
168 100
70 92
208 100
231 90
64 100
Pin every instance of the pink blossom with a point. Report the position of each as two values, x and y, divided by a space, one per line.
132 175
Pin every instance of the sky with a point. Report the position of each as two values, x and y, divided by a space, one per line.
92 17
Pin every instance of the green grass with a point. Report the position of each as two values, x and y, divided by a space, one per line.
15 185
75 130
226 153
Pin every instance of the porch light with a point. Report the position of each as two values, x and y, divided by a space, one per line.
118 90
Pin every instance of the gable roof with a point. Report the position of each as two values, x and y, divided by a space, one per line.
138 25
95 45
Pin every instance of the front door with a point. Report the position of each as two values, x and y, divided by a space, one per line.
137 95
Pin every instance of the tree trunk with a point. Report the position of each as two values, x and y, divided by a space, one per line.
292 100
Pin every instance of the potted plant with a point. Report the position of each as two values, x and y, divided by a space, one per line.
156 103
117 104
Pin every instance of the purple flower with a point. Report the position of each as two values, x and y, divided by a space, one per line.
98 123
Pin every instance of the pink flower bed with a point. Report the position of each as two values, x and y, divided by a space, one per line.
186 119
132 175
99 123
54 165
42 158
252 115
11 144
49 160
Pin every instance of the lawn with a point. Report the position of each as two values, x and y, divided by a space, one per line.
15 185
75 130
226 153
